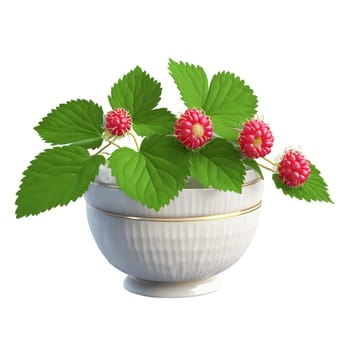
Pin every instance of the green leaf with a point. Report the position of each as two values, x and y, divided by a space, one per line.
156 121
253 164
219 165
229 103
314 189
139 94
56 177
156 174
191 81
136 92
75 122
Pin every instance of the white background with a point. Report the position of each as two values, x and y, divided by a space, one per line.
291 288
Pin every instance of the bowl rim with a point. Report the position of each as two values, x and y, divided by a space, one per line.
254 181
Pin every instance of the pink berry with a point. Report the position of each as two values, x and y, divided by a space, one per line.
255 139
293 169
118 122
193 129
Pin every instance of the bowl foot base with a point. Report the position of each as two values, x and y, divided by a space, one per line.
171 289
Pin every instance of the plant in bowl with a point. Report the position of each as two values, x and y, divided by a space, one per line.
179 204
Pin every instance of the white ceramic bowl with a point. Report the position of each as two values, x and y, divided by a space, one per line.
176 251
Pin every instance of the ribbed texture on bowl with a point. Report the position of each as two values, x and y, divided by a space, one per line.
178 251
173 251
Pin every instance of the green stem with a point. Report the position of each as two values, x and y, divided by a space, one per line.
114 144
102 149
106 146
267 168
135 140
269 161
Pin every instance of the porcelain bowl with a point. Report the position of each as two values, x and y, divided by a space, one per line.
179 250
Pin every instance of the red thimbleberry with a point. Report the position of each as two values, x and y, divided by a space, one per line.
293 169
118 122
255 139
193 129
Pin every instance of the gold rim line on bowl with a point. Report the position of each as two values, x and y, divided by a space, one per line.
179 219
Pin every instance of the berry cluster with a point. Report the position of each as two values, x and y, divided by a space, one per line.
256 140
193 129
